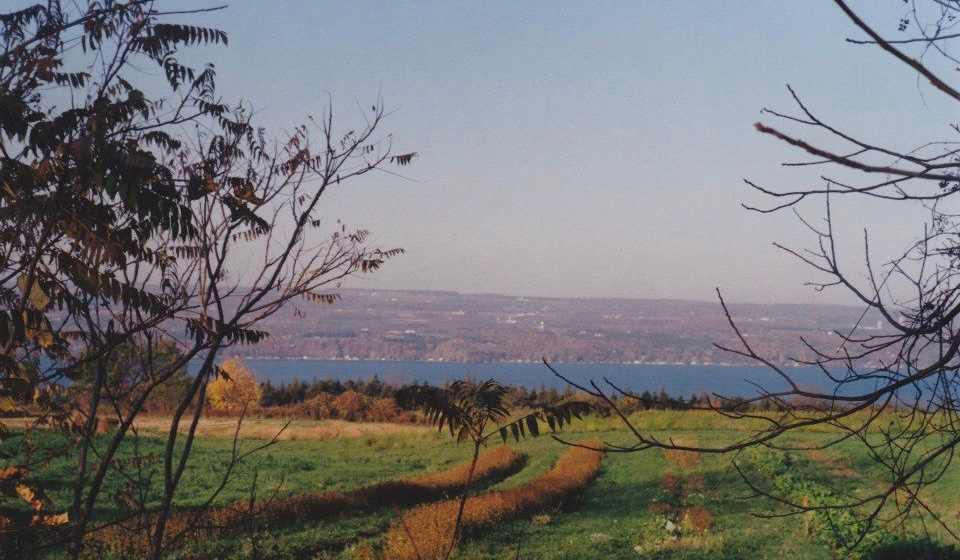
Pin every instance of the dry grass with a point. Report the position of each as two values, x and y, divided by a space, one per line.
660 508
680 482
677 421
267 428
670 482
495 464
834 465
259 428
424 533
696 519
684 461
708 543
695 483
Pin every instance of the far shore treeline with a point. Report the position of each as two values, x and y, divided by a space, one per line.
376 401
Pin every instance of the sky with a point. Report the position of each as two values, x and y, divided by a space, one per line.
592 149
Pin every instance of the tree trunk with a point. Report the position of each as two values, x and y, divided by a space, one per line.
463 501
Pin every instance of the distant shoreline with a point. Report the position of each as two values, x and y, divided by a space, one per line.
676 379
514 362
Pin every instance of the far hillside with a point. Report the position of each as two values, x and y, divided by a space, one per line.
477 328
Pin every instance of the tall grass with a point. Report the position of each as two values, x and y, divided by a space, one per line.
424 532
247 516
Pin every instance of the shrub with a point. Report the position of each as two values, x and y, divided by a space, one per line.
320 406
765 461
232 392
350 406
831 523
383 410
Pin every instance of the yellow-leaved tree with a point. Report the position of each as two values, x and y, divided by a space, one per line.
234 390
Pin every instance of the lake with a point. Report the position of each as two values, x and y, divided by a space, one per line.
675 379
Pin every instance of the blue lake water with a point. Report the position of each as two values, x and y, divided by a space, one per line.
675 379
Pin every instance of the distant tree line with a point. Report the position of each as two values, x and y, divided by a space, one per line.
375 400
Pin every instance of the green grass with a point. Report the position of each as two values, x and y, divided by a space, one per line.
285 468
609 518
613 517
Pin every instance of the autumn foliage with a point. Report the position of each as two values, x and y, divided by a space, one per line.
235 389
424 533
349 405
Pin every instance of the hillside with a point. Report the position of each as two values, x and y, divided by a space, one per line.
450 326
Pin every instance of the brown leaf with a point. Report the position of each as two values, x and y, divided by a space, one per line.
30 496
51 520
12 472
38 299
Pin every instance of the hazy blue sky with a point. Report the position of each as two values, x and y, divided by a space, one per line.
588 148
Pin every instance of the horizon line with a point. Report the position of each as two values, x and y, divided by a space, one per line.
595 298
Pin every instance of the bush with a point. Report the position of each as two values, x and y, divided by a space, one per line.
321 407
350 405
235 390
383 410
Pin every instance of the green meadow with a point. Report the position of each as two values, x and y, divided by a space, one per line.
647 504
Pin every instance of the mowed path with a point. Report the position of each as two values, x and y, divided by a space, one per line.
358 529
228 521
620 514
428 532
624 514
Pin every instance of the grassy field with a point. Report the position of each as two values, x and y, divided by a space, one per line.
641 505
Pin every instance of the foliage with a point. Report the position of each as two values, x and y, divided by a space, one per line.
124 198
827 517
298 391
91 192
127 367
88 185
376 401
349 405
236 388
468 408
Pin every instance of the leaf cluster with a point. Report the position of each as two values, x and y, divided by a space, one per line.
468 409
87 189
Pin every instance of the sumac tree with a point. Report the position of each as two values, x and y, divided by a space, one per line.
125 202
